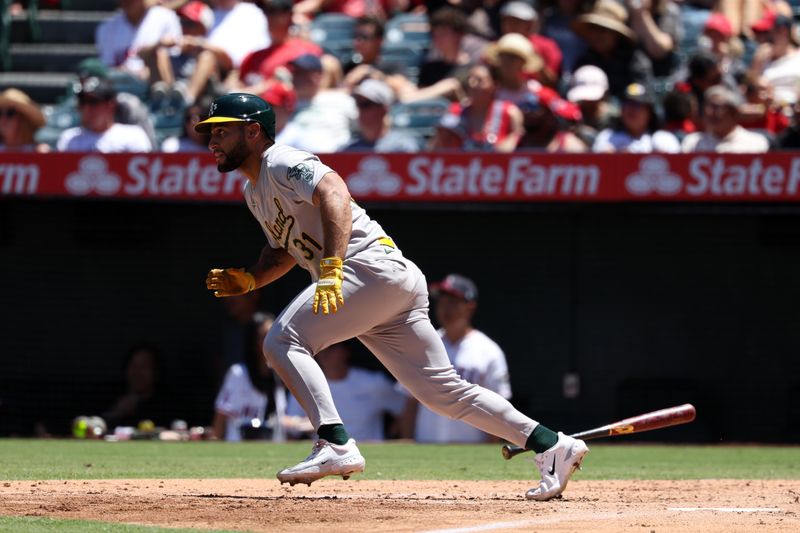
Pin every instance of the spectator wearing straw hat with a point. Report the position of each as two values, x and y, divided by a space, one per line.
516 61
20 119
612 46
521 17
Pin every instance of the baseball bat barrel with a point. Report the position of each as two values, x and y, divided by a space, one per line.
671 416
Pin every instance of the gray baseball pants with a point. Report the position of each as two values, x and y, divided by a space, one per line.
386 308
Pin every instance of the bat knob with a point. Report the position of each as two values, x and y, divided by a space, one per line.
506 451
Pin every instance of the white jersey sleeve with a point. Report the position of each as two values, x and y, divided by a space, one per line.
298 170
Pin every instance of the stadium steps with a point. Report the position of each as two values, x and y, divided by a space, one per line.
89 5
45 57
72 27
42 87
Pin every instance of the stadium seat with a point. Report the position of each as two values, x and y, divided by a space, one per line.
340 49
409 29
419 117
59 118
401 59
5 31
329 27
693 20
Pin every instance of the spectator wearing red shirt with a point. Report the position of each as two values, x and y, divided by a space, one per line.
491 124
258 68
521 17
307 9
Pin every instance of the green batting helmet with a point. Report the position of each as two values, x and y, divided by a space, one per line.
239 107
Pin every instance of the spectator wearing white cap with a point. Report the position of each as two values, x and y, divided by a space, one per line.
373 99
722 130
588 88
521 17
449 134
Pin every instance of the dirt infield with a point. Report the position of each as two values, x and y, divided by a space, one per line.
380 506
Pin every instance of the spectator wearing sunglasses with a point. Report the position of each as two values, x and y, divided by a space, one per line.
20 119
367 43
99 131
373 99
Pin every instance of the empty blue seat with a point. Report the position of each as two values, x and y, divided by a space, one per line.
420 117
408 28
332 27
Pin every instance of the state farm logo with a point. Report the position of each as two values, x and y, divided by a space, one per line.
93 175
654 176
374 175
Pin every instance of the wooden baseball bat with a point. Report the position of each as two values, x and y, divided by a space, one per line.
671 416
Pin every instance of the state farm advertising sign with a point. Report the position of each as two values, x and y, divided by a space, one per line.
425 177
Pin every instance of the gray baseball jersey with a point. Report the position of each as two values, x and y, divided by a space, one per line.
282 203
385 307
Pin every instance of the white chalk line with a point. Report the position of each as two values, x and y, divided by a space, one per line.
544 520
596 516
727 509
485 527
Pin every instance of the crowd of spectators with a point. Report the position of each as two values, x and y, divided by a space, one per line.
551 75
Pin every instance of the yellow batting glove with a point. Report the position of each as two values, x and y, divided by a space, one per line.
230 281
329 287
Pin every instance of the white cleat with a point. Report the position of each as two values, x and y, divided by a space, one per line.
556 465
326 459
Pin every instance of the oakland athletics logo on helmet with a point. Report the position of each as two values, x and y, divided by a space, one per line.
239 107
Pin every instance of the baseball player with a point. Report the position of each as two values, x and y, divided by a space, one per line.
362 286
475 356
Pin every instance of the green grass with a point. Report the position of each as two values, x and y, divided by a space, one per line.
74 459
10 524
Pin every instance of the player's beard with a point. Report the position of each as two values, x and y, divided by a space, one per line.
234 158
